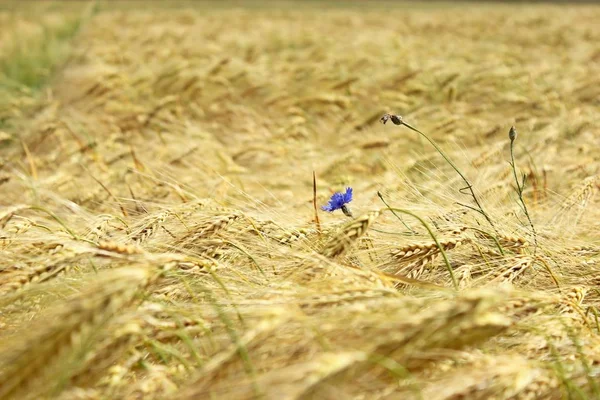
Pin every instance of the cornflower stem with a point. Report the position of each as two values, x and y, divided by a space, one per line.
399 121
396 215
347 211
520 188
437 243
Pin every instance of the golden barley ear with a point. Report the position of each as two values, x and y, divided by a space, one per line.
209 227
9 212
119 248
213 372
445 325
149 230
582 193
512 271
516 243
513 377
35 363
349 234
15 279
418 250
114 343
453 324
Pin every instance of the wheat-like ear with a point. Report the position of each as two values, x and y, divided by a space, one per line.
513 377
119 248
150 229
99 229
411 260
289 237
217 367
513 242
418 250
511 271
209 227
452 324
581 195
36 363
15 279
9 212
448 324
583 250
570 302
295 381
117 341
348 234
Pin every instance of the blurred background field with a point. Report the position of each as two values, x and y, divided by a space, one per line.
158 236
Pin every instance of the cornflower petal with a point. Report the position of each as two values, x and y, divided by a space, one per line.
338 200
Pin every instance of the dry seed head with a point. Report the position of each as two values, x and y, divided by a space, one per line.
452 324
106 353
544 386
353 277
296 380
348 234
457 230
206 376
412 251
512 272
150 230
512 134
463 274
17 279
583 250
571 301
99 231
7 213
20 227
211 226
120 248
512 242
346 296
396 119
502 377
583 193
212 248
28 363
416 269
293 236
200 266
576 294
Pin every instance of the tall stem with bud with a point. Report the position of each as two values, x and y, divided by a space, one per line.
512 135
397 120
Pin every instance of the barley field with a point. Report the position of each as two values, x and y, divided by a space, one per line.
163 173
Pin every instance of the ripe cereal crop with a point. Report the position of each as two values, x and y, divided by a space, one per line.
337 200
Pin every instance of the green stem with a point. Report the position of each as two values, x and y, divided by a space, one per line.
520 189
247 254
396 215
494 238
60 221
439 246
464 178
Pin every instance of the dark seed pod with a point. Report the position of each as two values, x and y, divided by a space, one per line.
396 119
512 134
346 211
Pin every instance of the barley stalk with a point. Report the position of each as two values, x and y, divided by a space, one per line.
28 363
348 234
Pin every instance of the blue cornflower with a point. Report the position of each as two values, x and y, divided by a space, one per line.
338 201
